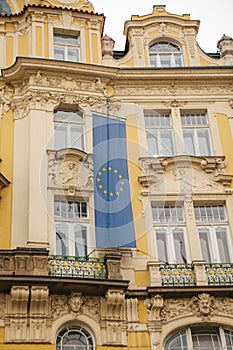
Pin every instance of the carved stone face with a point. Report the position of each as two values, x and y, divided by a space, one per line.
204 303
76 302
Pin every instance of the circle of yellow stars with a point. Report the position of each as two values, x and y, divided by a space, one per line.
101 172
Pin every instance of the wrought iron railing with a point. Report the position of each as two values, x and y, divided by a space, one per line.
67 266
219 274
177 275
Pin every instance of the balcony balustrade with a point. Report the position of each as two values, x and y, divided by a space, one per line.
78 267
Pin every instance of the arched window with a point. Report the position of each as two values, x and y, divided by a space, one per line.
74 337
4 8
204 338
165 54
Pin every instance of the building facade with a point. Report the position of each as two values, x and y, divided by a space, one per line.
162 278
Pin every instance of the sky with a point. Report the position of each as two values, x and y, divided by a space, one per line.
216 17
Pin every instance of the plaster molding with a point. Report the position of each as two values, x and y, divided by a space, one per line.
70 170
184 174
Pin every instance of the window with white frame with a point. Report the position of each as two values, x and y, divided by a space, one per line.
213 233
74 337
66 47
196 134
165 54
71 222
201 338
170 233
159 133
68 129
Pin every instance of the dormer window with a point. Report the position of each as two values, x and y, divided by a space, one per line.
66 47
165 54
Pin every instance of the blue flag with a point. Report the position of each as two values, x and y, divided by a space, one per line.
114 225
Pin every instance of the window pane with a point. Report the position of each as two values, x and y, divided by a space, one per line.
59 53
204 142
205 248
73 55
62 239
80 240
165 60
65 39
178 61
177 341
152 142
76 132
68 116
189 142
60 136
167 143
179 245
221 233
161 246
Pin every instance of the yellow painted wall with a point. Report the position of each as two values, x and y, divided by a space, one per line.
95 57
88 56
23 45
129 63
142 277
138 340
226 141
46 41
38 41
142 313
204 62
6 168
9 50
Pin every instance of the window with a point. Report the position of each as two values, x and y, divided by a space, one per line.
159 133
165 54
74 338
196 134
68 130
213 233
170 235
204 338
71 227
66 47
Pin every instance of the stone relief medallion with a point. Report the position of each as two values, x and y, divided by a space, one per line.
75 303
73 173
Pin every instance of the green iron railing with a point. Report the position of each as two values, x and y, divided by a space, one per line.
177 275
79 267
219 274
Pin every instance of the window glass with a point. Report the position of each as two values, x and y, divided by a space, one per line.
213 233
159 133
170 239
71 227
196 134
203 338
74 337
66 47
165 54
68 130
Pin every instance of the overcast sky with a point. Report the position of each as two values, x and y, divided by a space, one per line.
216 17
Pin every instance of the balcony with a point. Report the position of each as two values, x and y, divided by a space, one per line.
199 273
77 267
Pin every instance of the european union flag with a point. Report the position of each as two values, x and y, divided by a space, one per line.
114 225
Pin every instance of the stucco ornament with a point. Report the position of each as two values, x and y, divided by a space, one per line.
203 305
153 307
75 303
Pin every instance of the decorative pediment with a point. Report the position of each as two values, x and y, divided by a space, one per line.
184 174
70 170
